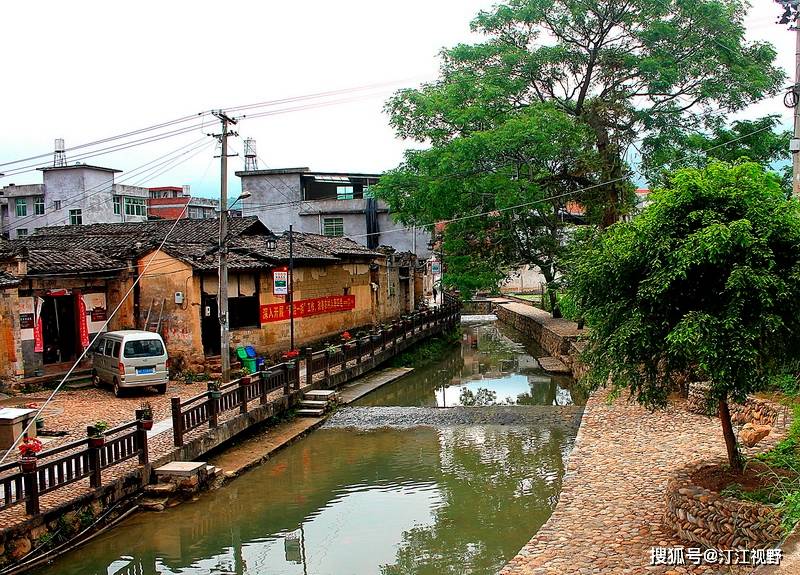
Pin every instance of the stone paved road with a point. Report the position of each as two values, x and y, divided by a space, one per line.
609 512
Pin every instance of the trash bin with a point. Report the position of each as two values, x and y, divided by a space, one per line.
248 363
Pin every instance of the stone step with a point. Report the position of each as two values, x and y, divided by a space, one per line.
313 403
310 412
320 394
553 365
153 503
160 489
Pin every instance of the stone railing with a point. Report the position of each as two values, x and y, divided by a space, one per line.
699 515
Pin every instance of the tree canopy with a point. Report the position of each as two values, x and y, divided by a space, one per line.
763 141
617 69
706 278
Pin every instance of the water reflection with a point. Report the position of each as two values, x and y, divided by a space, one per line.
421 501
494 364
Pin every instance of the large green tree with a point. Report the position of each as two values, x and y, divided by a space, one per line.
705 279
534 158
622 69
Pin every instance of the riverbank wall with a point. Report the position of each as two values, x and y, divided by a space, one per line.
558 337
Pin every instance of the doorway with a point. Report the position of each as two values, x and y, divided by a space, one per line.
59 329
209 324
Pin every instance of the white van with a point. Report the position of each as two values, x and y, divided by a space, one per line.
130 358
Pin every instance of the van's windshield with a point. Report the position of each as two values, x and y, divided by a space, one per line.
143 348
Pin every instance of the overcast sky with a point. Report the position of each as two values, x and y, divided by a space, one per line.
84 71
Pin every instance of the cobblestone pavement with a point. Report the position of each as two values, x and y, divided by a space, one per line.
609 514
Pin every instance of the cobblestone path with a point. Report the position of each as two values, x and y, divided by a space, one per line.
609 514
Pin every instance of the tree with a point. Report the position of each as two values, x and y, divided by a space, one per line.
533 158
706 279
762 141
621 68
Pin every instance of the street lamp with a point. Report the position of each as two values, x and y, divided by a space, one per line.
272 245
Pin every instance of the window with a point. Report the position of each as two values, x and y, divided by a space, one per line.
109 348
333 227
117 205
22 207
135 207
243 304
22 232
195 213
115 351
144 348
75 217
38 206
368 193
344 192
56 204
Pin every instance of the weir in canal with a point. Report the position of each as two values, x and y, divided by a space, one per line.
450 469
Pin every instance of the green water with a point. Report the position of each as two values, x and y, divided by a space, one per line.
423 501
493 365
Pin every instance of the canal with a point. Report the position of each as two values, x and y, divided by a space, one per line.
441 496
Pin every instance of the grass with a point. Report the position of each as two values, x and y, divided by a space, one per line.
785 455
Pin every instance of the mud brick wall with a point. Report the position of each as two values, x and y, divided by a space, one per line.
698 515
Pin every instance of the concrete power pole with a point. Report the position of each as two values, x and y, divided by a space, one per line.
222 294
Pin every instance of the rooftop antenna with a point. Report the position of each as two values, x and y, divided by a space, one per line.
59 155
250 157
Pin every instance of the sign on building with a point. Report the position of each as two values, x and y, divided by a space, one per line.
280 282
308 307
436 268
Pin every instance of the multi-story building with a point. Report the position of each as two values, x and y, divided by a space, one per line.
331 204
70 195
173 202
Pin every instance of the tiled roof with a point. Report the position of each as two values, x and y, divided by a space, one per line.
341 247
98 248
8 280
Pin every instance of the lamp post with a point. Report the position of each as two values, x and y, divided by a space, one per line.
272 245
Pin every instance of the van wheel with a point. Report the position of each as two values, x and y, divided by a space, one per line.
161 389
95 379
118 391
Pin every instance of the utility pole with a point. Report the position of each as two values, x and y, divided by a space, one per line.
795 145
222 293
791 12
291 287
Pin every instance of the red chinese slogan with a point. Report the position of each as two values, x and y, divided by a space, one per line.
307 307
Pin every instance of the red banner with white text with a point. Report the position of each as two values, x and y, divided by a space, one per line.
308 307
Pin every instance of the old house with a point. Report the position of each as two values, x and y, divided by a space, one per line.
61 284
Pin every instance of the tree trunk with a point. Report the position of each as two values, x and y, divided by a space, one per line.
610 167
734 458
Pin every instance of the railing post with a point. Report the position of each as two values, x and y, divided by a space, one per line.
297 374
95 478
213 409
327 376
177 421
244 381
309 366
31 485
262 386
285 368
141 438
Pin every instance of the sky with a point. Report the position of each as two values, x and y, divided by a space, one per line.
89 70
